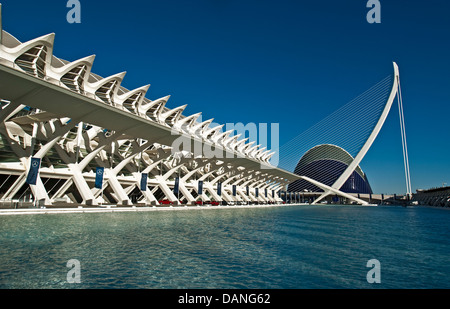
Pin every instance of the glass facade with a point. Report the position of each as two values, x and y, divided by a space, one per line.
327 172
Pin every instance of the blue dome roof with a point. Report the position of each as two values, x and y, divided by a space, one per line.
326 163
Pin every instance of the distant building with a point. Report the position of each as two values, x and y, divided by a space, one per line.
433 197
326 163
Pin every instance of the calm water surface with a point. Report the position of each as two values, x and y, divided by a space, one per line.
274 248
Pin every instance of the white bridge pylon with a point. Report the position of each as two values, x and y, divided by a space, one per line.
334 189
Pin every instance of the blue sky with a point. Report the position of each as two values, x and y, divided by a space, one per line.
286 62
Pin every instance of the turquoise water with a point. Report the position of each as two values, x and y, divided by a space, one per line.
270 248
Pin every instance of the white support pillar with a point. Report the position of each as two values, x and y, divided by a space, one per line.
212 191
62 189
77 172
163 184
149 198
111 175
120 193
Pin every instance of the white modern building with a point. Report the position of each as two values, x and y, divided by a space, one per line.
75 121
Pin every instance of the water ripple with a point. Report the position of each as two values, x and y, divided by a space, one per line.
291 247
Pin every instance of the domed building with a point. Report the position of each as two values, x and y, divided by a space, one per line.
326 163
